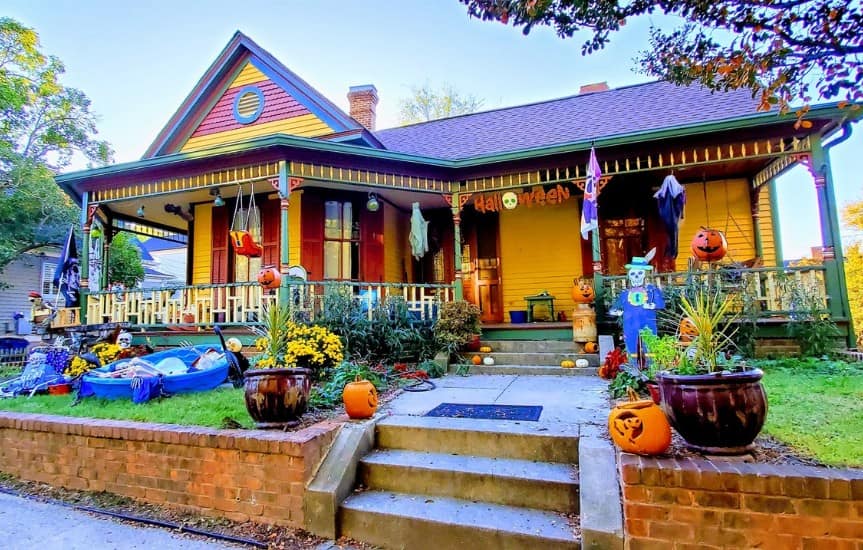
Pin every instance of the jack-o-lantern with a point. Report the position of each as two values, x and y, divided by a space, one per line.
582 291
709 245
687 331
640 427
591 347
360 398
476 360
269 277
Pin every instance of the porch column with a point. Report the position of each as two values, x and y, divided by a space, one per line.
756 225
87 213
285 252
834 264
456 224
774 221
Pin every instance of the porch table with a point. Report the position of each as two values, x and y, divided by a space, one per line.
543 298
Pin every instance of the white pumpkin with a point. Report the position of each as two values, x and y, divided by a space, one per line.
582 363
488 360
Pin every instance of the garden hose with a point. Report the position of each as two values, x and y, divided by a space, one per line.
421 384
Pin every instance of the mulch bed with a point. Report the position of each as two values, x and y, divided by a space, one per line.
768 450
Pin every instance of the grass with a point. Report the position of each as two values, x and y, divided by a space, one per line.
209 409
817 407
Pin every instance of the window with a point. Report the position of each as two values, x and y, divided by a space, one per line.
245 268
48 289
341 241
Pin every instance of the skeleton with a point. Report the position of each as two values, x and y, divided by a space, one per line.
638 303
124 340
510 200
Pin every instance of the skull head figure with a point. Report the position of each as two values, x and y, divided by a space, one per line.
510 200
638 268
124 340
636 276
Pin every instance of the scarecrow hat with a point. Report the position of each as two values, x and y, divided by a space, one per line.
639 262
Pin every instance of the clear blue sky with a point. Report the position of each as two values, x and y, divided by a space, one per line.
138 60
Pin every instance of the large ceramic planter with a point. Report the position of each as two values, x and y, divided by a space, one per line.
276 398
715 413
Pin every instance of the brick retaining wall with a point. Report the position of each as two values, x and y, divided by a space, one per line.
238 474
696 503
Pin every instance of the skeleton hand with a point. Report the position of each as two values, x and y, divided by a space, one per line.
649 305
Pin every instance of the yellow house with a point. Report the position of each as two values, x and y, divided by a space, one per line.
496 198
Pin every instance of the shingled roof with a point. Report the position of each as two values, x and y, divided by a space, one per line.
638 108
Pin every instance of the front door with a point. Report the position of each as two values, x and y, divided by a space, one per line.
481 258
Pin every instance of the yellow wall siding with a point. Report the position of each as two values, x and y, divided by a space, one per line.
295 239
540 250
395 243
202 242
248 75
304 126
729 211
765 222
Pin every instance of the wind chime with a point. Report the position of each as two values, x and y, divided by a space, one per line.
241 238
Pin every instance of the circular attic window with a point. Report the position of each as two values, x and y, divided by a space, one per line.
248 105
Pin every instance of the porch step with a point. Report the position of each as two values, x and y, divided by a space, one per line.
528 370
545 442
532 346
512 482
403 520
538 358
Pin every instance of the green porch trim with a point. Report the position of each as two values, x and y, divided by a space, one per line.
285 240
84 267
456 218
563 334
774 218
754 195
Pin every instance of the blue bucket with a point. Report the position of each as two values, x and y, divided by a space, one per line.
518 316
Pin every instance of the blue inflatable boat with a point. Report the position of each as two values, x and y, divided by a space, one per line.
182 370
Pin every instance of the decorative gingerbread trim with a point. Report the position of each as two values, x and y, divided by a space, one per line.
603 181
91 212
293 183
462 199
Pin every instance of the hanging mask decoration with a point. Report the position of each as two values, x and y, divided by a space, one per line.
510 200
124 340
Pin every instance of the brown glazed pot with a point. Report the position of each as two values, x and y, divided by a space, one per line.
276 398
717 413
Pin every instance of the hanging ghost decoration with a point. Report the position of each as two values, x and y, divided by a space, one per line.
670 199
419 233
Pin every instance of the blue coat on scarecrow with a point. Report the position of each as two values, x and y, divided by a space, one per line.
638 303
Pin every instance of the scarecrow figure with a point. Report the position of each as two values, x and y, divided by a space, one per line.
638 303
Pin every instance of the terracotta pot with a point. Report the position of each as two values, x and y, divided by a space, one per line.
60 389
653 389
473 344
276 398
718 413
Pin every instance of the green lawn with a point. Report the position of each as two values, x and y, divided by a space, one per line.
199 409
817 407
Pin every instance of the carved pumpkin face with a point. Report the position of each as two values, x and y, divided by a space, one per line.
687 330
269 277
361 399
709 245
582 292
640 427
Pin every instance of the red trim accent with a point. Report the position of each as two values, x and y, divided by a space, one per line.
312 236
294 183
372 245
271 218
219 246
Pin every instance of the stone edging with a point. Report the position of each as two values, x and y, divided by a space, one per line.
599 492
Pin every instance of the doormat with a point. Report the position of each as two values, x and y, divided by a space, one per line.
488 412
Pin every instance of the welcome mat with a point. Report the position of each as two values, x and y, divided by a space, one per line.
488 412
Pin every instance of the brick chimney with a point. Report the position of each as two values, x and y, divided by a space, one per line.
595 87
363 101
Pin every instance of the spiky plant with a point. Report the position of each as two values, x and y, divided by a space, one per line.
712 316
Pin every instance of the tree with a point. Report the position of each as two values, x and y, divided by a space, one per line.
781 50
124 261
426 103
853 214
42 125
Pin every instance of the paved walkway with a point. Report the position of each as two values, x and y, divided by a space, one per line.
28 524
565 399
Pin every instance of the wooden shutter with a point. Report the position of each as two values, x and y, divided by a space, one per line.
312 235
372 245
271 221
220 245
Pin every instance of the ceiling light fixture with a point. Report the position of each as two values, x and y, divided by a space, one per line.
372 205
141 211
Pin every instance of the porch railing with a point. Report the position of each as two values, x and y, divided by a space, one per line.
242 303
772 290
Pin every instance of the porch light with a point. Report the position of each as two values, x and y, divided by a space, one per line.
372 205
141 211
218 201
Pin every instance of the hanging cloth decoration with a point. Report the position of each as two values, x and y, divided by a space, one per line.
670 199
419 233
243 238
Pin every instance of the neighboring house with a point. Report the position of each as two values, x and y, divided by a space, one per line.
501 190
30 272
164 262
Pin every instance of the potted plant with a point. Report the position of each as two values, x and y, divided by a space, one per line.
716 405
277 386
458 326
662 354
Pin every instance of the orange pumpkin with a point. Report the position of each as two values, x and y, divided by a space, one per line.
709 245
582 291
687 330
640 427
476 360
360 398
269 277
591 347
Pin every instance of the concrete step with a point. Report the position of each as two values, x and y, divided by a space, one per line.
528 370
551 359
532 346
512 482
543 442
399 520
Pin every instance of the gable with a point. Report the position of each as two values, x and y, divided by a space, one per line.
246 93
254 106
